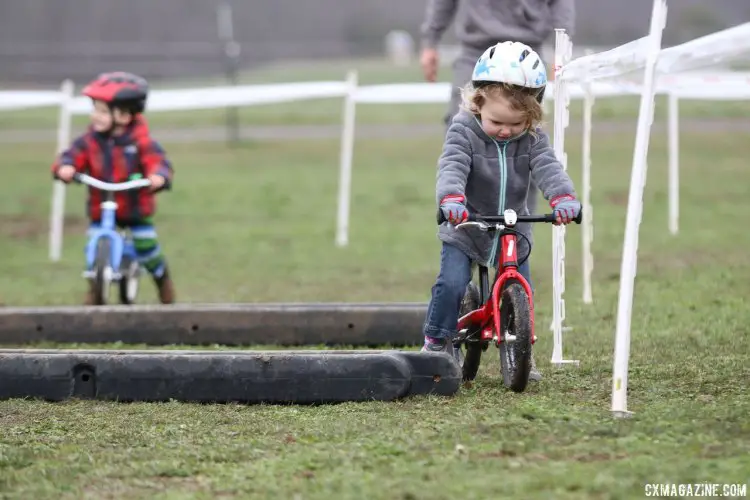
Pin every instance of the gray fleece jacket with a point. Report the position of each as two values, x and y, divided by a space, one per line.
494 176
482 23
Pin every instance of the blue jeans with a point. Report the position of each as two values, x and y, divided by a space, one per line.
449 289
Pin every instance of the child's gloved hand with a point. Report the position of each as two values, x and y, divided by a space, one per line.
65 173
454 209
565 207
157 181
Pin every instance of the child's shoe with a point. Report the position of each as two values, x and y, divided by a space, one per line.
534 374
90 298
165 287
441 345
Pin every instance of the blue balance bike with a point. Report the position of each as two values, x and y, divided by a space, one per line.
110 252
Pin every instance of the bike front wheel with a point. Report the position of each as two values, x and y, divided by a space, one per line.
103 272
515 345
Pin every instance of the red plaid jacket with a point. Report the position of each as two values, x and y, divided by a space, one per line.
115 159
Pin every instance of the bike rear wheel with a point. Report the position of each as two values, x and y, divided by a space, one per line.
103 272
130 272
515 348
472 344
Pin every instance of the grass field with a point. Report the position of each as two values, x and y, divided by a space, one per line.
256 223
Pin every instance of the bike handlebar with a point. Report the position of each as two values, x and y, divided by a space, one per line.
500 219
110 186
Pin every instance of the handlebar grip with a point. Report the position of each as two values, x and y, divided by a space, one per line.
441 217
551 217
579 218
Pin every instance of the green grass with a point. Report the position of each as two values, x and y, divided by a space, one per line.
328 111
257 224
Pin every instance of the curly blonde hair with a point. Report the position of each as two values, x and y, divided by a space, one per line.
521 99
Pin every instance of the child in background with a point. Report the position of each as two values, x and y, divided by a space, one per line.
492 150
117 147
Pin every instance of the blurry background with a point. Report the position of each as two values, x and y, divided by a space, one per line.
44 41
253 219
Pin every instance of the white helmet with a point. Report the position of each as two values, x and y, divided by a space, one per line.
514 63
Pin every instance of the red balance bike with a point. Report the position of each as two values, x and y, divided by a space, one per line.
503 314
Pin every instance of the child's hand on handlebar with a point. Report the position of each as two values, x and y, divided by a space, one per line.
157 181
65 173
454 209
566 208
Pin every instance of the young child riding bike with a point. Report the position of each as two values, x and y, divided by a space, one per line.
492 150
117 147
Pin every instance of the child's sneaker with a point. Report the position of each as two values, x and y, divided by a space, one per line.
441 345
165 288
534 374
434 345
89 299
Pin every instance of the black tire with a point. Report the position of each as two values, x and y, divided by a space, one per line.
515 357
129 276
101 285
472 358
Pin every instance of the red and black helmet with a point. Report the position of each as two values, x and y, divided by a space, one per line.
119 89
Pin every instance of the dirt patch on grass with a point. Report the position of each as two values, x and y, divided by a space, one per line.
656 262
22 227
116 488
10 416
617 198
27 227
539 457
598 457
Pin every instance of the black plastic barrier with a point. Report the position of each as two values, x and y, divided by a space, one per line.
395 324
301 377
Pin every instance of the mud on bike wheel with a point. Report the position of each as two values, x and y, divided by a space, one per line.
515 349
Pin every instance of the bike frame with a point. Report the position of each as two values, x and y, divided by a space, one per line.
488 315
120 246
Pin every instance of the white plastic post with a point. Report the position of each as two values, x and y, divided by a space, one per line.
57 205
563 52
588 215
673 131
345 166
633 220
